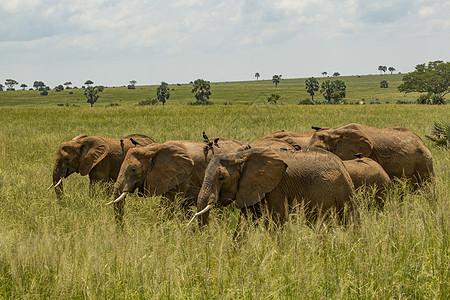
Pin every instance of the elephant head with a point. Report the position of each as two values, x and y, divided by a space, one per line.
342 142
156 168
244 177
79 155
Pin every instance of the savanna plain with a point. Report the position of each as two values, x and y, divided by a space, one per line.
71 248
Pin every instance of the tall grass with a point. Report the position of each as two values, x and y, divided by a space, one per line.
72 249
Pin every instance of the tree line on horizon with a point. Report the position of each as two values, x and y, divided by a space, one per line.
432 79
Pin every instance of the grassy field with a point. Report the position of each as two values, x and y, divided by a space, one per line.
71 249
250 92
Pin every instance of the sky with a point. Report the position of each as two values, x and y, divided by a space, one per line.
178 41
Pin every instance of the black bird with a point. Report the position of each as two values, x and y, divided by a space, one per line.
359 155
134 142
216 140
205 136
316 128
121 145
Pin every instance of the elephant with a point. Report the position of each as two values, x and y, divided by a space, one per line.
367 172
166 170
298 140
400 151
98 157
278 179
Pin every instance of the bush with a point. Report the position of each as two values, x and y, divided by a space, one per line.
131 87
384 84
44 93
207 102
306 102
148 102
113 104
432 99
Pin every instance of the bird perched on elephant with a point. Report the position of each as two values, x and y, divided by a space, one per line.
166 170
278 179
98 157
366 172
400 151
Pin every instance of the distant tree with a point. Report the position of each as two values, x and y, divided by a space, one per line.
67 84
384 69
59 88
91 94
324 74
433 78
23 86
338 93
273 99
201 90
312 86
132 85
10 83
257 75
89 83
276 79
380 68
384 84
38 85
333 91
133 82
336 74
163 92
1 87
391 69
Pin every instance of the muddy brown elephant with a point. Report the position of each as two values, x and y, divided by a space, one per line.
98 157
366 172
278 179
166 170
400 151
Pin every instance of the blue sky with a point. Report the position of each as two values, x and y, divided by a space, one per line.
113 42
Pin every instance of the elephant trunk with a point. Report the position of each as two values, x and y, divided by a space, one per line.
207 197
57 180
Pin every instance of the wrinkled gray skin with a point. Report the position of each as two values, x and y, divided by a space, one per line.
400 151
367 172
298 140
278 179
166 170
98 157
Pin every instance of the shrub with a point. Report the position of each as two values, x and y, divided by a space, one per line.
131 87
44 93
384 84
432 99
306 102
148 102
207 102
113 104
440 134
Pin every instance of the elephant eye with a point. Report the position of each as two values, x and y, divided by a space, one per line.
221 178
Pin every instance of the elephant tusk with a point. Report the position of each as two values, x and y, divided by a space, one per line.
118 199
208 207
59 182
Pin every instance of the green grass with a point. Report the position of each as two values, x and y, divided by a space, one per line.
247 92
71 249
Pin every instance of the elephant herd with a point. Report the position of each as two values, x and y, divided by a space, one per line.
320 169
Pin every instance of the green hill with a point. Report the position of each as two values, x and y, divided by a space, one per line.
365 87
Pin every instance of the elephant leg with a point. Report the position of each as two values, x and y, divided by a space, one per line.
255 211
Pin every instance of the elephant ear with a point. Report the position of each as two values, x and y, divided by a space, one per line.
352 142
171 166
93 150
262 171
